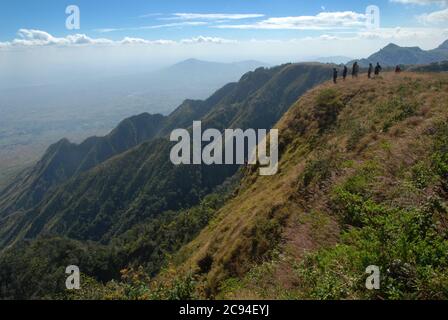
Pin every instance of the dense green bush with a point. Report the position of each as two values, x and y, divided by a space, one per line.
36 269
406 244
327 108
396 110
440 153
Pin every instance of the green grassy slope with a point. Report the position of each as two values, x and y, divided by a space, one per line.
363 181
142 182
137 207
64 160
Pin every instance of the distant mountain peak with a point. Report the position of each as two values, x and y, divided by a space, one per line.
444 45
191 61
391 46
393 54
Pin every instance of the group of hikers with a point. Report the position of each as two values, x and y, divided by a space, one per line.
355 71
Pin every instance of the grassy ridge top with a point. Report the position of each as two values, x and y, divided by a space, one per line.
362 181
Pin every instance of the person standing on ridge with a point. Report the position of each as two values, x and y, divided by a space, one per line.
369 73
335 75
378 69
344 73
397 69
355 70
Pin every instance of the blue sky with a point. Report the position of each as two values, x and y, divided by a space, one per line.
118 36
127 17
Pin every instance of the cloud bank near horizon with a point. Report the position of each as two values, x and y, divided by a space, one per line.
28 38
39 38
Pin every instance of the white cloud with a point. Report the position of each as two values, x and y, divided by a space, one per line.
187 20
194 40
80 39
436 17
396 34
202 39
411 36
328 37
321 21
422 2
38 38
216 16
106 30
139 41
129 40
158 26
30 37
176 24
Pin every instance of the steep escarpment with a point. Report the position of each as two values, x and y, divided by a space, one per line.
362 181
64 160
105 201
136 208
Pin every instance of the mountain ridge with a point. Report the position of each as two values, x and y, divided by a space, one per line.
95 150
347 192
362 181
141 182
64 159
393 55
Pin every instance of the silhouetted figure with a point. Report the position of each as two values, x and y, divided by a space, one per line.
345 72
335 75
355 70
369 73
378 69
397 69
